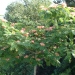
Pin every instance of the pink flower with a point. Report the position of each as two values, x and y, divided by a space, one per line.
42 44
55 47
7 59
53 5
3 27
26 34
73 13
43 7
64 5
13 24
57 54
36 34
22 30
32 41
37 59
40 27
3 20
49 29
33 31
18 41
26 56
4 48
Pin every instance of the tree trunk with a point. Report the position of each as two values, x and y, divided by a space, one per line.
35 67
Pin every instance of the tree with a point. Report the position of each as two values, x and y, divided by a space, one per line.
15 12
52 42
70 2
19 12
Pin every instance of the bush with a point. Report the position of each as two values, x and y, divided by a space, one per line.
52 42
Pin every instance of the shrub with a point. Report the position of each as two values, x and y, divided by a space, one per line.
52 42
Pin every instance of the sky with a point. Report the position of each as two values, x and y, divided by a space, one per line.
4 4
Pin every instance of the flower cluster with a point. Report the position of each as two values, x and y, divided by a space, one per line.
43 7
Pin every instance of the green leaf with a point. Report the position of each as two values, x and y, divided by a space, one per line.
73 32
73 53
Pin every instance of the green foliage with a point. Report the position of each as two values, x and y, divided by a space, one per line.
31 44
24 12
15 12
70 3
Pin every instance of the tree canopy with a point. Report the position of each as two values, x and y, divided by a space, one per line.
70 2
41 32
17 12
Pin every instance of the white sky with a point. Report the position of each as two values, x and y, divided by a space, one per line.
3 5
